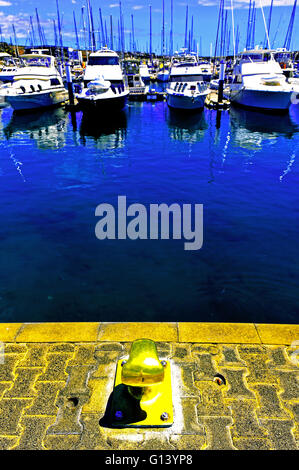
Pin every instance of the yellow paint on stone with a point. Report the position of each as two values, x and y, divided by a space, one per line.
124 332
278 334
8 331
56 332
218 333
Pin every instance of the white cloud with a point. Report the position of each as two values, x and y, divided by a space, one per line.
4 3
113 5
138 7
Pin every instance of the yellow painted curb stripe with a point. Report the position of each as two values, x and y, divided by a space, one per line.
193 332
131 331
278 334
218 333
57 332
8 331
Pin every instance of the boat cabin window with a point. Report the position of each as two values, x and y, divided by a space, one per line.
37 61
94 60
186 78
255 57
54 82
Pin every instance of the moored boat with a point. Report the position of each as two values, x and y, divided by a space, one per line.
258 82
104 84
186 89
37 84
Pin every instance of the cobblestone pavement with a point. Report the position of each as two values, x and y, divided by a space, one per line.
53 394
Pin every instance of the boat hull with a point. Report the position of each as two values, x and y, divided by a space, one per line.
187 103
33 101
105 104
261 99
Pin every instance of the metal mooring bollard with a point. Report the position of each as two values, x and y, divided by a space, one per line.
142 395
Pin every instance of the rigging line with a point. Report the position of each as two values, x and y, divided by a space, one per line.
233 26
266 29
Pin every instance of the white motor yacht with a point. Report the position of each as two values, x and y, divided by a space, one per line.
104 84
186 88
163 75
206 70
258 82
36 84
9 67
144 72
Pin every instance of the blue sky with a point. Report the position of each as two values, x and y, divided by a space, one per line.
205 13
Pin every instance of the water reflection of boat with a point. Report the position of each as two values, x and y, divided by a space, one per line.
108 132
189 128
47 128
260 125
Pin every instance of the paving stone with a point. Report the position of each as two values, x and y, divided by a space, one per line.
23 384
84 354
61 348
12 348
280 434
206 368
155 443
212 349
191 424
6 443
93 437
61 442
212 403
245 423
269 403
257 365
35 356
7 369
279 358
55 368
186 387
182 353
44 403
100 389
68 417
187 442
237 387
4 386
77 379
230 357
252 444
288 381
10 413
34 430
218 435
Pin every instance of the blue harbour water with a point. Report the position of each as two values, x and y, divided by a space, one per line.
55 169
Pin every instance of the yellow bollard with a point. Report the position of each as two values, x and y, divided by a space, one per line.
142 395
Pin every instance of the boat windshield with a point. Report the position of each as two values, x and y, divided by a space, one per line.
96 60
37 61
186 78
255 57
